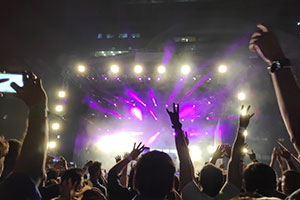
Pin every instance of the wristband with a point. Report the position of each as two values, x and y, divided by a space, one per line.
129 158
279 64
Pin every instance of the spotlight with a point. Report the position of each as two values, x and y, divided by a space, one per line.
195 153
245 150
185 69
138 69
115 69
245 133
244 112
161 69
81 68
241 96
55 126
59 108
61 94
51 144
211 149
222 68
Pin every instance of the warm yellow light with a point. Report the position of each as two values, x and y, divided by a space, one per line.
241 96
55 126
161 69
244 112
81 68
245 150
245 133
115 69
185 69
211 149
222 68
51 144
59 108
138 69
61 94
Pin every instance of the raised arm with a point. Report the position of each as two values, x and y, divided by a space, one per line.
136 151
219 153
185 162
285 85
287 156
33 153
234 170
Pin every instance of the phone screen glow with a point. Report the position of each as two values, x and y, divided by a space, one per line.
5 86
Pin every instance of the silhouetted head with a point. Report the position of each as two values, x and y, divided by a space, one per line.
260 178
154 174
290 181
211 179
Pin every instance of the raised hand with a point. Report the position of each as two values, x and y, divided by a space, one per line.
274 154
32 92
245 117
136 151
186 138
266 45
252 156
118 158
219 153
285 154
227 152
174 116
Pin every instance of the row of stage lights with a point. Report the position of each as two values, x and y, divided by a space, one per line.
55 125
161 69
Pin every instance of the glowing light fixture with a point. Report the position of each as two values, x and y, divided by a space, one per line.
245 150
59 108
185 69
51 144
244 112
161 69
81 68
222 68
55 126
115 69
138 69
241 96
61 94
245 133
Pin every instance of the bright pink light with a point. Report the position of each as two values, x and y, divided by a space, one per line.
152 113
153 138
152 97
137 113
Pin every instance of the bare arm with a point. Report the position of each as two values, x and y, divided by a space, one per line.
287 157
117 168
185 162
33 153
234 170
285 85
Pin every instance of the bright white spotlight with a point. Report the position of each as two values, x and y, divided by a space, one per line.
195 153
61 94
211 149
241 96
138 69
161 69
55 126
51 144
222 68
245 150
59 108
185 69
81 68
114 69
245 133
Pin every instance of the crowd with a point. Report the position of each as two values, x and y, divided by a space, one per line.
27 172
